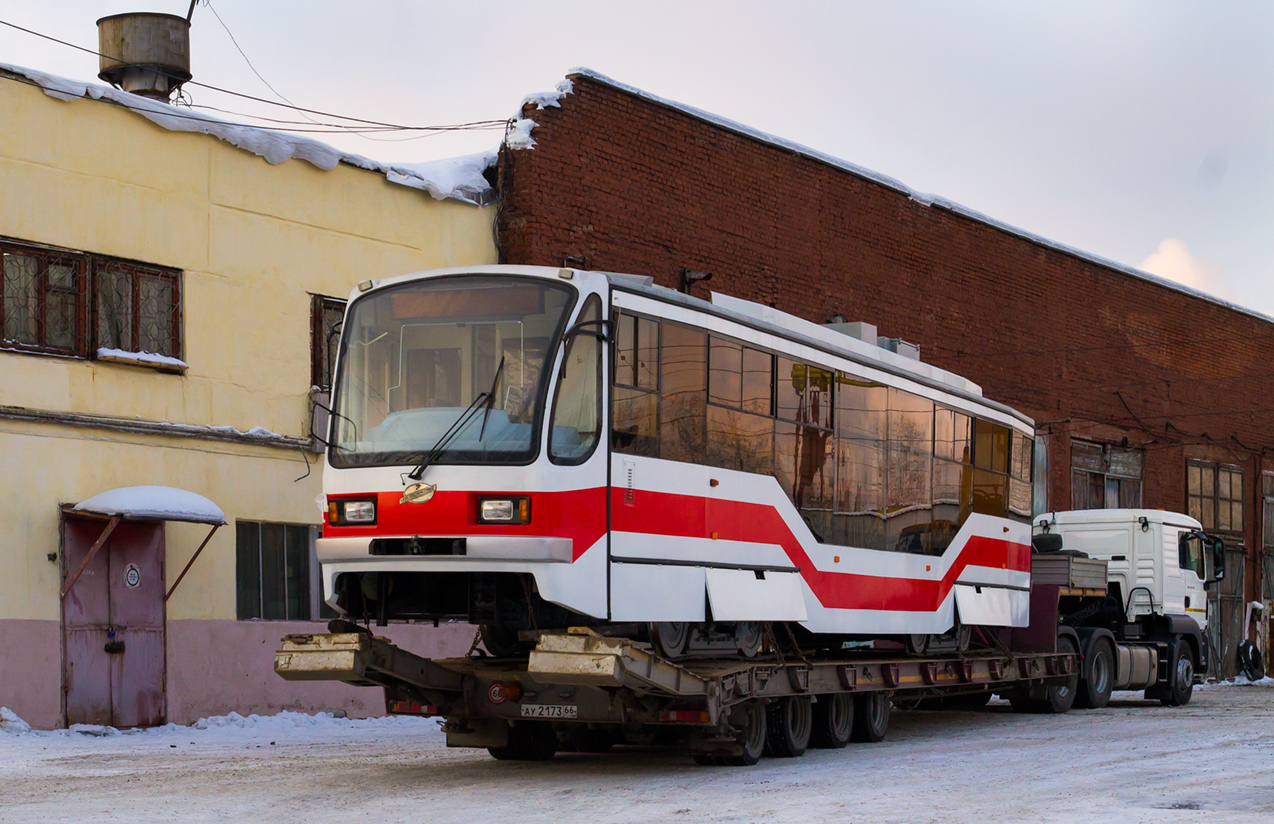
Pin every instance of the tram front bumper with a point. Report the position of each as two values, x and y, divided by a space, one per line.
513 548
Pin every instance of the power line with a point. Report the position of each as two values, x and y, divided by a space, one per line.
382 125
1116 346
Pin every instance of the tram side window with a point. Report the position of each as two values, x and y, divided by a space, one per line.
576 423
635 413
804 443
861 439
1020 477
908 514
991 468
952 476
683 392
739 387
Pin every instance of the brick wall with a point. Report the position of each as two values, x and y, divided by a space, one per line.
618 182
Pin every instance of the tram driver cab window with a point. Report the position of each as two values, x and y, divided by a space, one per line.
576 424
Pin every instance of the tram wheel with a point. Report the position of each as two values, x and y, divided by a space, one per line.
670 638
501 642
748 636
917 643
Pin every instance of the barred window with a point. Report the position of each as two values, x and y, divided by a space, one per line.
42 299
71 303
325 314
1214 495
137 308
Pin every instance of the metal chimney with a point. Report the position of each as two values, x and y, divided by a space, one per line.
144 53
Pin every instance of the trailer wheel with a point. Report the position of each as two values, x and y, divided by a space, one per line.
1094 691
871 717
1057 698
750 718
833 721
527 742
1181 678
788 724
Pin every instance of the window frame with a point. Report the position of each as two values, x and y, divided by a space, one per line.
90 270
313 608
592 302
1107 475
1214 497
322 358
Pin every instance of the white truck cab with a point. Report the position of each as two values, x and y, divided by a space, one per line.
1161 562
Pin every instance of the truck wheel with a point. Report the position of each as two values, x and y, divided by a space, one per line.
1094 691
788 724
527 742
833 721
750 719
871 717
1060 697
1181 678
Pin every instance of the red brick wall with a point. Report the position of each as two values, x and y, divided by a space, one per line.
624 184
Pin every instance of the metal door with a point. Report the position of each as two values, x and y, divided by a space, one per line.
113 625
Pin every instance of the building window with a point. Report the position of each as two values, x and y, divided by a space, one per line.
1214 496
42 299
276 573
1105 476
325 315
76 304
138 308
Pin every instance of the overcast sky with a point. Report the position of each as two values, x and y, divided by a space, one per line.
1139 131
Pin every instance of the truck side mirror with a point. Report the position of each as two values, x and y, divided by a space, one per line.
1218 558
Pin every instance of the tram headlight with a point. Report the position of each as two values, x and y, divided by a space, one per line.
347 512
516 510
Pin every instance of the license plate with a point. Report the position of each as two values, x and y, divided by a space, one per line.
550 711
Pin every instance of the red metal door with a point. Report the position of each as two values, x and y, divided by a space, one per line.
113 624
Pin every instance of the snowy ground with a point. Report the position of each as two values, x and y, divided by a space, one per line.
1134 761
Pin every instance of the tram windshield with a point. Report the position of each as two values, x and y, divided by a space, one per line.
415 358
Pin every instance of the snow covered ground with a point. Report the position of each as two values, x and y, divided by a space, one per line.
1134 761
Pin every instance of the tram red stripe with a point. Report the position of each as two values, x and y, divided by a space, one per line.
660 513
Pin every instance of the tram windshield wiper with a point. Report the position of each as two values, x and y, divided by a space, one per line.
486 413
487 399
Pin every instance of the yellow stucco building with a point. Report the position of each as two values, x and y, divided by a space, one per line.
121 236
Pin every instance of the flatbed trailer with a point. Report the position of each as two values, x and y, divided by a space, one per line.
584 690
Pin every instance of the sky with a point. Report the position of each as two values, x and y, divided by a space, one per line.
1141 131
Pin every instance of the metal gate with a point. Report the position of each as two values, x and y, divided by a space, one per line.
113 624
1227 607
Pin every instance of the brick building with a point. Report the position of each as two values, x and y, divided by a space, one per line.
1145 393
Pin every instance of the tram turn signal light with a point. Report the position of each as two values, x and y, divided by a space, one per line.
515 510
348 512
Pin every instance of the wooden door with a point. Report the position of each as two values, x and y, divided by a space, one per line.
113 625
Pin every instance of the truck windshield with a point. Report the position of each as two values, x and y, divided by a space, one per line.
413 358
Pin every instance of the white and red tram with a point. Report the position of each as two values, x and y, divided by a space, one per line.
531 448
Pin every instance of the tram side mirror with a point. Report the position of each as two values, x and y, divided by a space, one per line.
320 415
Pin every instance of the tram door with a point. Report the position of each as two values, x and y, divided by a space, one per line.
113 624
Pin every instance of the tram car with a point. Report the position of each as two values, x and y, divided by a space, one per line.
529 448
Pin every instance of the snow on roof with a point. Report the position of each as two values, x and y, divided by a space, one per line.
891 183
451 179
519 134
161 503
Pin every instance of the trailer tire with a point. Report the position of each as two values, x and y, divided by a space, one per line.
1094 691
788 725
750 717
833 721
1059 698
871 717
1180 677
528 741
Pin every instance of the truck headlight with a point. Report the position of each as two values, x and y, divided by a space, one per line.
515 510
351 511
